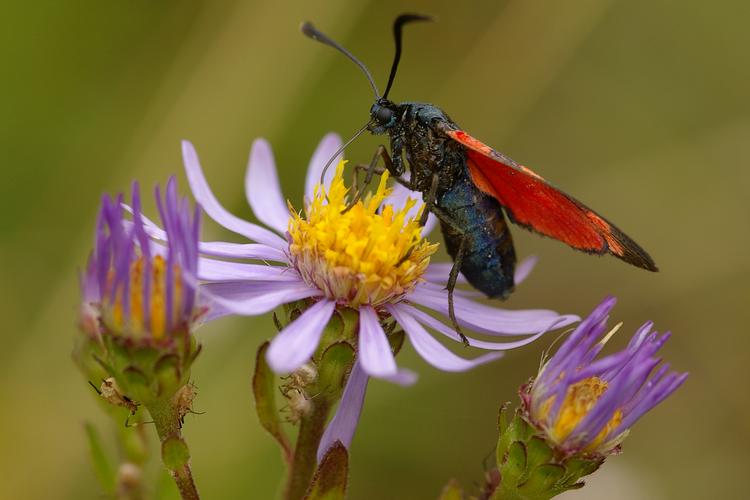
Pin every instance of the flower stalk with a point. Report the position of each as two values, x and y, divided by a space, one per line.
167 417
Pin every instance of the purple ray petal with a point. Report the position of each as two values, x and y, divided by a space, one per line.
255 251
294 345
490 320
344 422
213 208
249 303
433 351
375 353
262 188
438 272
327 147
398 198
523 270
449 332
221 270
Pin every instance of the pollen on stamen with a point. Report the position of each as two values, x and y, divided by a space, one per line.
368 255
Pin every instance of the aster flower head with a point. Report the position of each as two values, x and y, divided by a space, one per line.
368 267
139 299
334 260
586 404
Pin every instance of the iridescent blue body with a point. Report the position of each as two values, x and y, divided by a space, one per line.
464 211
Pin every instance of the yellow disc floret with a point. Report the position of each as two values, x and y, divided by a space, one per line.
579 400
135 323
366 255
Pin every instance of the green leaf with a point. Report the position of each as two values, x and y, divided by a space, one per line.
264 391
329 481
452 491
103 469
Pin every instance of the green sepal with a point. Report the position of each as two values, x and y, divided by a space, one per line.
542 480
333 370
514 464
174 453
103 468
264 392
168 373
539 452
530 466
452 491
329 481
149 370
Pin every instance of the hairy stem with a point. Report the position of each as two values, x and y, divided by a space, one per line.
302 469
174 449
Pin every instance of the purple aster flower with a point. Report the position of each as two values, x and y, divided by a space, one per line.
587 404
373 259
133 288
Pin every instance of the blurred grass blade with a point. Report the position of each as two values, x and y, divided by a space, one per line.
329 481
103 469
264 391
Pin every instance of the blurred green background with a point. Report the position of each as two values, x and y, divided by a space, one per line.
638 108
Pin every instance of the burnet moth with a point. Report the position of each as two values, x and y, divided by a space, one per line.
468 185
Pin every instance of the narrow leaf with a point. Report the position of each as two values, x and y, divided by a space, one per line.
329 481
103 469
264 391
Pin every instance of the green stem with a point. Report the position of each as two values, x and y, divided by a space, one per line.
174 449
305 453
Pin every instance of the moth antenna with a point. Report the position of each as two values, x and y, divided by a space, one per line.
398 25
312 32
339 151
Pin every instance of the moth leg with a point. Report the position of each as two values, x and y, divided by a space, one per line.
457 263
380 171
380 152
429 201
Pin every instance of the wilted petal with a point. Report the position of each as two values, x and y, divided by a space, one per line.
344 423
213 208
294 345
433 351
262 188
374 350
327 147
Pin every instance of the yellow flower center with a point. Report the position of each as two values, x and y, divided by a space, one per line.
135 323
579 400
362 256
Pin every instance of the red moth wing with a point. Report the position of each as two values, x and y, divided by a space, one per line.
534 204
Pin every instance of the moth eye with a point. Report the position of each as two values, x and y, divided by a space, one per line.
384 115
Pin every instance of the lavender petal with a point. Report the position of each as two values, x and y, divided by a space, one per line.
213 208
327 147
375 353
294 345
344 422
262 188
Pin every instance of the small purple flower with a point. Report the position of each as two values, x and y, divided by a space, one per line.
587 405
133 287
373 259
